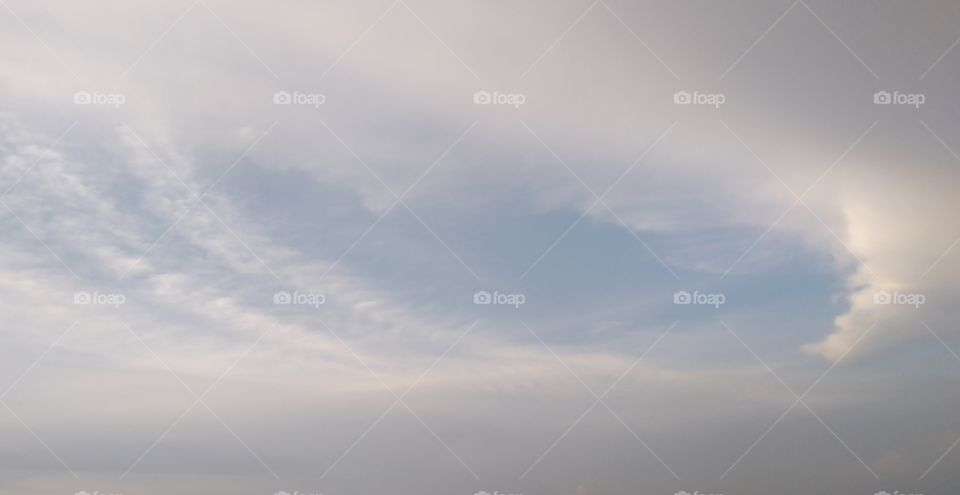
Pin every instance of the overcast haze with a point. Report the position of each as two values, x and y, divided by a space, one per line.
526 247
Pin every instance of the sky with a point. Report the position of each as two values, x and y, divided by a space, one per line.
479 247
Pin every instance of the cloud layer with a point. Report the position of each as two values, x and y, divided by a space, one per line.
661 148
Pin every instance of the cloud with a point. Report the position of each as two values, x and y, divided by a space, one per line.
299 198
